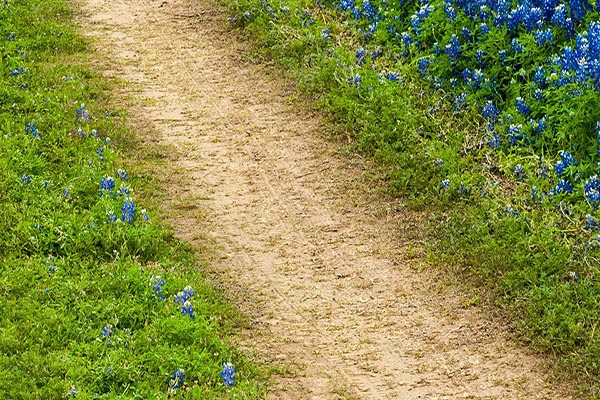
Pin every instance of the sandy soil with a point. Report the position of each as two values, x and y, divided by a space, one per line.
329 274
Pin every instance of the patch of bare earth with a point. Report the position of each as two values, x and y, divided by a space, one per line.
334 289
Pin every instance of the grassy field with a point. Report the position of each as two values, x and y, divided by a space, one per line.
97 298
484 116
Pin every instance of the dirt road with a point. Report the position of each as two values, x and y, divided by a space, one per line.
335 290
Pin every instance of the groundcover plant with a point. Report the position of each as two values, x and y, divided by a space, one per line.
97 299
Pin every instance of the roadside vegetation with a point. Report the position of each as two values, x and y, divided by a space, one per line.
486 117
97 298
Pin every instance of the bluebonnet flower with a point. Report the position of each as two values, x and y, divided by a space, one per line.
51 265
325 34
121 174
598 136
145 215
376 53
591 224
128 210
183 297
107 183
31 128
176 381
228 374
392 76
157 287
510 211
346 5
543 36
591 190
66 193
83 114
459 102
369 11
422 64
538 95
445 183
17 71
123 191
100 153
515 134
566 160
466 34
450 11
188 309
110 217
94 133
107 330
521 106
11 37
490 111
484 28
406 39
503 56
462 189
439 162
563 186
26 179
360 56
453 48
355 80
516 46
519 172
479 54
81 132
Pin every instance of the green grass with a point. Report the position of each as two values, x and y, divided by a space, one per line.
79 313
539 266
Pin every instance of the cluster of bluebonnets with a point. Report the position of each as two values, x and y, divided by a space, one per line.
529 68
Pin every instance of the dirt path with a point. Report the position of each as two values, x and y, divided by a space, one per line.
334 290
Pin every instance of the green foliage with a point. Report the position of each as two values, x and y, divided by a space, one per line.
82 313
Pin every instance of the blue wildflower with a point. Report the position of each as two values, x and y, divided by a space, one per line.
121 174
422 64
107 183
110 217
128 210
510 211
563 186
107 330
516 46
484 28
591 190
522 107
355 80
228 374
157 287
31 128
176 381
17 71
519 172
445 183
325 34
83 114
26 179
490 111
591 224
453 48
11 36
360 56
